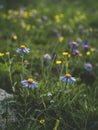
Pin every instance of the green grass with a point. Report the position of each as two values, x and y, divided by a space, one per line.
61 106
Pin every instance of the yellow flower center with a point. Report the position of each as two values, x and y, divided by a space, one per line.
25 61
68 75
77 52
74 43
22 46
89 66
47 55
42 121
30 80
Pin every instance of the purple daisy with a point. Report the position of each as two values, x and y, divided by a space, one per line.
67 78
73 44
29 83
88 66
86 46
22 48
47 56
76 52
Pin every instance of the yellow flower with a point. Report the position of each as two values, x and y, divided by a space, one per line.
58 62
33 26
61 15
1 54
7 53
26 14
57 18
80 54
88 53
64 26
90 29
10 11
65 53
28 27
42 121
61 39
23 24
92 49
69 55
15 37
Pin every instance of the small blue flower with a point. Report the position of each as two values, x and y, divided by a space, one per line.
58 35
22 49
88 66
47 56
29 83
73 44
76 52
78 40
67 78
86 46
26 62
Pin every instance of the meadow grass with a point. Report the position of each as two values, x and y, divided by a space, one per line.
48 57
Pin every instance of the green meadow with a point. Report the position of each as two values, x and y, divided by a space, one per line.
49 63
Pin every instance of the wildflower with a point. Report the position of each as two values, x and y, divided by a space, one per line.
69 55
88 66
57 18
86 46
80 54
61 39
45 18
47 56
7 53
65 53
1 54
28 27
76 52
73 44
26 62
51 101
49 94
78 40
29 83
88 53
42 121
57 33
14 37
92 49
22 48
67 78
58 62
